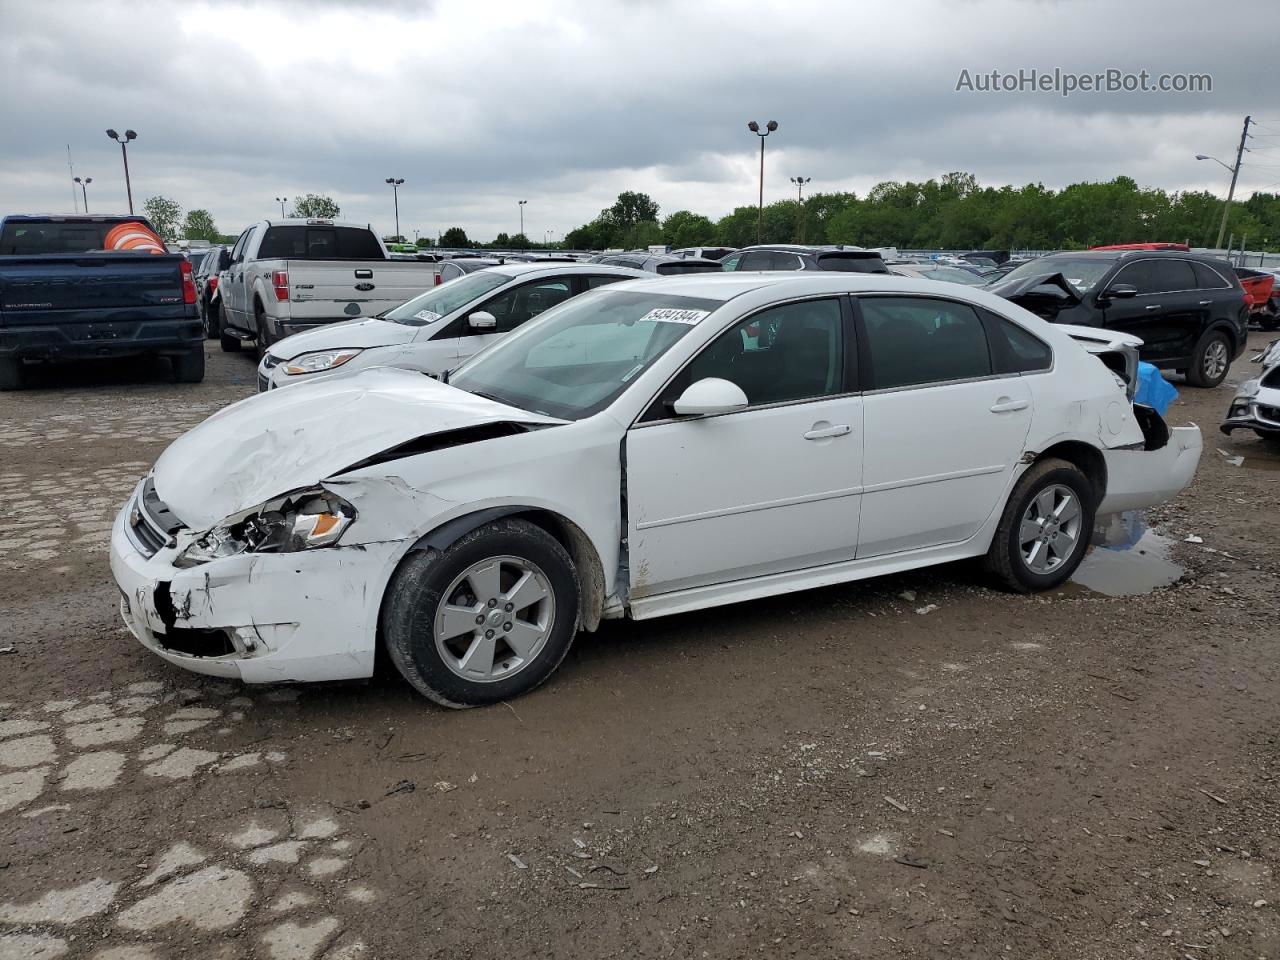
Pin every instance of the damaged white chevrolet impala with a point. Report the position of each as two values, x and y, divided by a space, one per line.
649 448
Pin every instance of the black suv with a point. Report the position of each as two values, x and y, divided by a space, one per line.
790 256
1188 309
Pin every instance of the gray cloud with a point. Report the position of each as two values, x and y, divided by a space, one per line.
477 106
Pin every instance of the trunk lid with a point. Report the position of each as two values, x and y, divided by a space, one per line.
320 289
84 288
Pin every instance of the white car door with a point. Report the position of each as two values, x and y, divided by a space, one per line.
770 488
944 429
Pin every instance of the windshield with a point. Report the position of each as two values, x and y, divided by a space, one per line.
577 358
954 275
444 299
1082 272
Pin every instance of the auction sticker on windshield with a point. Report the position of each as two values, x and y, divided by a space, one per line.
426 315
673 315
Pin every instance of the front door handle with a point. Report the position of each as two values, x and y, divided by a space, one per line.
1153 306
1007 405
830 430
1205 303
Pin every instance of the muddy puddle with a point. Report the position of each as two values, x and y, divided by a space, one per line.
1127 559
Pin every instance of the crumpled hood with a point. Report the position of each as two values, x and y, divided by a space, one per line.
1023 287
361 334
285 440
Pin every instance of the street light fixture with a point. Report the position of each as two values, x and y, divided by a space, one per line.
800 182
395 194
521 204
83 191
124 152
754 127
282 201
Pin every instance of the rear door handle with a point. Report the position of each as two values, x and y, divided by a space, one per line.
1153 306
1006 405
834 430
1205 303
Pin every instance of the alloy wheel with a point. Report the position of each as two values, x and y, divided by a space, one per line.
494 619
1215 360
1050 529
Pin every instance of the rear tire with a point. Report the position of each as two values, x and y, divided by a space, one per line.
189 367
10 373
510 649
1029 554
212 324
1210 361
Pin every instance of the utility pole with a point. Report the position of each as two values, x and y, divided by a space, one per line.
124 153
395 196
754 127
71 172
84 188
521 204
1235 172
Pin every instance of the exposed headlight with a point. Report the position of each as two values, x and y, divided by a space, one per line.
317 362
297 521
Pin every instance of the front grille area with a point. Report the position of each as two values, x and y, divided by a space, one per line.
1270 414
150 522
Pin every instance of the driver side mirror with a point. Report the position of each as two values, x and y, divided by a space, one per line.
1120 291
482 320
709 396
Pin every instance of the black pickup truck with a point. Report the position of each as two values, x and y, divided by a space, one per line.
63 297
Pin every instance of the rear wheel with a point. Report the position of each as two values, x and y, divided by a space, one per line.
486 619
212 326
263 327
1210 361
10 373
189 367
1045 529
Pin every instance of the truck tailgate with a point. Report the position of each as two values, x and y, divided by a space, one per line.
324 290
89 288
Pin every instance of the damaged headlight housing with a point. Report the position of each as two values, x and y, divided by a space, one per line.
296 521
319 362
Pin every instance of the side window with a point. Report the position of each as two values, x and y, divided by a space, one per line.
522 303
237 252
792 352
1139 274
757 260
915 341
1208 278
602 281
1017 350
1169 276
784 261
731 262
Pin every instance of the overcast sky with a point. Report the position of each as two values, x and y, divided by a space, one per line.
479 104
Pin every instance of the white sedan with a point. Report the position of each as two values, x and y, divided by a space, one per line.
649 448
436 330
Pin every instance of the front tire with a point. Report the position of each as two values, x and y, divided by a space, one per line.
1045 529
10 373
229 342
263 328
486 619
1211 360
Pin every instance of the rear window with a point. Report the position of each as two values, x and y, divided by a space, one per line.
845 263
1208 278
33 239
687 266
319 243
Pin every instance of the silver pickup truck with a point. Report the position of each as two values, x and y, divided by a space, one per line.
286 276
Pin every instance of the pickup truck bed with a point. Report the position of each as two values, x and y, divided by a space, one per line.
81 306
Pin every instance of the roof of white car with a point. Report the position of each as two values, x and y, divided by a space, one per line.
521 268
726 286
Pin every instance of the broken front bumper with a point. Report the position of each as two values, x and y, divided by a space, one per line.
1254 408
1143 478
260 618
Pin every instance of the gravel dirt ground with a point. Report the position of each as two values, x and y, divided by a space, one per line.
825 774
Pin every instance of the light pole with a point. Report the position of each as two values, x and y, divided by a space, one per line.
83 191
395 195
124 152
800 182
521 204
754 127
1235 172
282 201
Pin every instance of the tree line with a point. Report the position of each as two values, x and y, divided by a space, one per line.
954 212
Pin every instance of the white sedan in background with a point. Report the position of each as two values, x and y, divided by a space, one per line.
436 330
645 449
